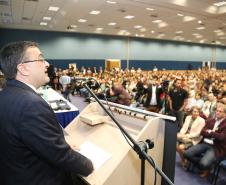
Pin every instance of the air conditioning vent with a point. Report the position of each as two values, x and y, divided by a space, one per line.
122 10
4 3
154 15
26 19
91 25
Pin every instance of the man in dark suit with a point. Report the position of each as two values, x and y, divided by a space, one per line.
213 145
33 147
153 101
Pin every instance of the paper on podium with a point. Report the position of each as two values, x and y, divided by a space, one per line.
97 155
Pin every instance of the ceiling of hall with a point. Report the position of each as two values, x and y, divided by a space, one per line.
197 21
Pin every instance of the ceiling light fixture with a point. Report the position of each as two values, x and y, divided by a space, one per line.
179 32
95 12
201 28
99 29
218 30
73 26
180 15
43 23
111 2
157 21
221 3
82 20
150 9
143 29
137 26
47 18
188 18
162 24
129 17
53 8
112 23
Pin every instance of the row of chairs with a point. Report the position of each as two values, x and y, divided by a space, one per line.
218 167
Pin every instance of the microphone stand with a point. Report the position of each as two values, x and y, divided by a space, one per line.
139 147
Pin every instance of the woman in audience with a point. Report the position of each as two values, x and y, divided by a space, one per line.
209 106
189 134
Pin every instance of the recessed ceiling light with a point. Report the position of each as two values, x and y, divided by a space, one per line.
220 33
143 29
157 21
137 26
195 34
111 2
201 28
152 31
73 26
53 8
150 9
202 41
112 23
43 23
218 4
162 24
218 42
180 15
129 17
161 35
99 29
178 32
94 12
200 22
123 32
199 36
218 30
82 20
47 18
188 18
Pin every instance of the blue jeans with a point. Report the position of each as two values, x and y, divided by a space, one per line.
203 153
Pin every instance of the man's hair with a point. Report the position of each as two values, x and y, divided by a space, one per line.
223 106
11 55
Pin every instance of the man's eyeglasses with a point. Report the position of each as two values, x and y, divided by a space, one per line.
38 60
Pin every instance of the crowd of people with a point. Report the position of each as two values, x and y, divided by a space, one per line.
197 98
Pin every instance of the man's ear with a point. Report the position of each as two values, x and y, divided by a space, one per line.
23 69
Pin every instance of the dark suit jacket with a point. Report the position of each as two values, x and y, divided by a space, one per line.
33 148
149 95
219 136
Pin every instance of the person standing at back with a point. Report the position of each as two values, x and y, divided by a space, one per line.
34 150
178 101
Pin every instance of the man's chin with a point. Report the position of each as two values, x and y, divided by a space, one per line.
47 79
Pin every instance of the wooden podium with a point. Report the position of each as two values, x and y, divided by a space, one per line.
123 168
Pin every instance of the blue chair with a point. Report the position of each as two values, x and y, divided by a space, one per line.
221 165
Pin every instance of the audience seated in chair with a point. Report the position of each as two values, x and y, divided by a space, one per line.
213 145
